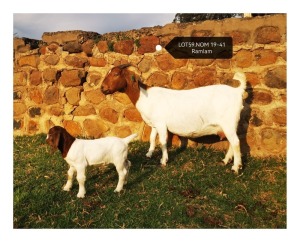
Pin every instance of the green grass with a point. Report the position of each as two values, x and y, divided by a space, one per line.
193 191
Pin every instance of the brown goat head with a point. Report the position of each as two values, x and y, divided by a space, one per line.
115 80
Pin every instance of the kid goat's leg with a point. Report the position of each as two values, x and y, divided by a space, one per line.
81 180
69 183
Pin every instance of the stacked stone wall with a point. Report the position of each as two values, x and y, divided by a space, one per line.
57 80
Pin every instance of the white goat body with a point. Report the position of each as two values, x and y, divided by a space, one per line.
191 113
194 113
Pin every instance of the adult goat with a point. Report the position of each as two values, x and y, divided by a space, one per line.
190 113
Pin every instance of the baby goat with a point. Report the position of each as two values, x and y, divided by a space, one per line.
80 153
191 113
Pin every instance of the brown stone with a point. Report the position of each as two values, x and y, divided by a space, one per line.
267 35
87 47
94 79
18 94
35 94
76 61
51 95
20 78
109 114
72 127
94 128
73 95
261 97
224 63
273 140
202 33
253 79
244 58
123 131
257 118
122 98
84 110
52 47
94 96
158 79
29 60
72 47
180 79
102 46
145 64
239 37
146 133
148 44
32 126
124 47
52 59
19 108
71 78
56 111
18 42
204 77
276 78
34 111
166 62
132 114
43 50
50 75
265 57
279 115
18 124
227 79
283 55
100 62
35 78
201 62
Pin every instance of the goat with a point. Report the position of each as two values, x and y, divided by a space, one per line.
190 113
79 153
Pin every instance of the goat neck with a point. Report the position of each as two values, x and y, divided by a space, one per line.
133 86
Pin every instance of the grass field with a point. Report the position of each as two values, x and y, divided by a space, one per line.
193 191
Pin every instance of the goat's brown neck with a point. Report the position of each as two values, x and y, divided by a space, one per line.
132 88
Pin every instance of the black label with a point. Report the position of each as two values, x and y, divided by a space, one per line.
200 47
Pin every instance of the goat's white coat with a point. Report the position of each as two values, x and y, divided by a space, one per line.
98 151
194 113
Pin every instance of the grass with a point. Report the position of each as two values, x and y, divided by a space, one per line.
193 191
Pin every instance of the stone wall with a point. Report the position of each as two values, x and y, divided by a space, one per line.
57 80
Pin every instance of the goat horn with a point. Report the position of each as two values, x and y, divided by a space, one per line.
124 66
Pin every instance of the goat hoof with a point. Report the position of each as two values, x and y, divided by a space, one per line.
235 170
117 190
149 154
67 189
80 195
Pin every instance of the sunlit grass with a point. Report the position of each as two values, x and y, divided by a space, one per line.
193 191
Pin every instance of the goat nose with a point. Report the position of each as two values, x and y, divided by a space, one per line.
104 90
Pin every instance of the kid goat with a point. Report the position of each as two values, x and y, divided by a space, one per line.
191 113
80 153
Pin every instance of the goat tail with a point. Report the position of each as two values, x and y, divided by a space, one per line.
129 138
241 77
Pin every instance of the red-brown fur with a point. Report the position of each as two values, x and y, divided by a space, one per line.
121 79
59 138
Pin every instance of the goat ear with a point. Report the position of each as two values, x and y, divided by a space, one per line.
54 140
124 66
